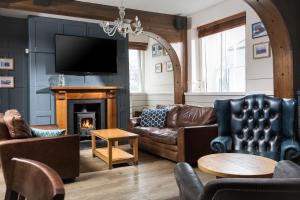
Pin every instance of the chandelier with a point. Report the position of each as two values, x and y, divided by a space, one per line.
122 25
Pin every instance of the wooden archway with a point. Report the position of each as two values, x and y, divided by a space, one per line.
178 86
281 46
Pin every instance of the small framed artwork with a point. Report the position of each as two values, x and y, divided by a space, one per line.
169 66
158 68
261 50
7 82
258 30
157 50
6 63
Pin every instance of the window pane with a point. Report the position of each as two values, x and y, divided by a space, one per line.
135 71
224 61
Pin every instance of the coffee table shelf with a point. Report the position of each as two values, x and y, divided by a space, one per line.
118 155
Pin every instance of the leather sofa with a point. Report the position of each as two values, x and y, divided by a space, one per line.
284 185
186 136
61 153
257 124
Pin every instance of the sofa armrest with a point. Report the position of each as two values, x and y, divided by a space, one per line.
60 153
133 122
189 185
251 188
289 148
193 142
221 144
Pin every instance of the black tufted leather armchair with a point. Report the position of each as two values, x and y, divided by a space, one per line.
285 184
257 124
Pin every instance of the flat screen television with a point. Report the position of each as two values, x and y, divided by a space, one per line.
85 55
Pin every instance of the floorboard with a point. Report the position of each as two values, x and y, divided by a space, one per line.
152 179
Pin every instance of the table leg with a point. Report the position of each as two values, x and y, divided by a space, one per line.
109 149
136 150
93 145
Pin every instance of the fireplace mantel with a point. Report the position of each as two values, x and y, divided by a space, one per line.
65 93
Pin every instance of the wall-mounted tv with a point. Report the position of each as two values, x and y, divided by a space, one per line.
85 55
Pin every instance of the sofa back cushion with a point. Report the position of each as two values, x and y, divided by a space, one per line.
4 134
16 125
196 116
172 114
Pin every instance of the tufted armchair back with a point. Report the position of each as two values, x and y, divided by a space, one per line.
256 124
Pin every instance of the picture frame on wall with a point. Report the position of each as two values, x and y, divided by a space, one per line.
169 66
7 82
258 30
6 64
157 50
261 50
158 68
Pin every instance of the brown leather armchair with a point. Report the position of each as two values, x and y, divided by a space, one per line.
186 137
60 153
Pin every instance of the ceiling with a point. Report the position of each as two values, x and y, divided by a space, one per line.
173 7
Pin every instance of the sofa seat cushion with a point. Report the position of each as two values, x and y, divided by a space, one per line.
154 118
17 126
196 116
164 135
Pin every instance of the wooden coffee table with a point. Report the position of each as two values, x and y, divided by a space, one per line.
114 155
235 165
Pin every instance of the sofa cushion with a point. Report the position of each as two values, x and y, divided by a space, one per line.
196 116
172 114
4 134
47 133
154 118
16 125
164 135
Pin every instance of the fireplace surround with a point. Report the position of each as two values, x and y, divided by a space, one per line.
105 97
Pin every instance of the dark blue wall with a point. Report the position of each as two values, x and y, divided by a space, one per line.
42 68
13 42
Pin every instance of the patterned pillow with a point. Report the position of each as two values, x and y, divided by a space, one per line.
47 133
153 118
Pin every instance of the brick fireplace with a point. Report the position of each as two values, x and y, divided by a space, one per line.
81 109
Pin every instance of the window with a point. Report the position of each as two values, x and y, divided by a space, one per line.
135 70
223 65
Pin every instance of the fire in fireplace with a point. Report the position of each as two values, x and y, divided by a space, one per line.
86 121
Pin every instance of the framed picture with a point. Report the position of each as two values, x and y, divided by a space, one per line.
7 82
6 63
157 50
261 50
258 30
158 68
169 66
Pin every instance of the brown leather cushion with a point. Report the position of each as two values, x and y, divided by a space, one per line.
165 135
172 114
196 116
16 125
4 134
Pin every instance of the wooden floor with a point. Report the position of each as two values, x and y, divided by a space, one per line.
152 179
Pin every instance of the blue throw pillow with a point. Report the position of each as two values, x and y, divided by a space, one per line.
154 118
47 133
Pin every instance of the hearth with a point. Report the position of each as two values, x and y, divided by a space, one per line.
86 121
86 115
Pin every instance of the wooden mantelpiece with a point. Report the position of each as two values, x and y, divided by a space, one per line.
65 93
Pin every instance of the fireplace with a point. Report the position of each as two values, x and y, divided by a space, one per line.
86 115
86 121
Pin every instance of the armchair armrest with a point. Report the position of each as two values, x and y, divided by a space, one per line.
286 169
221 144
189 184
60 153
133 122
251 188
193 142
289 148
